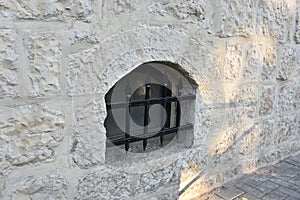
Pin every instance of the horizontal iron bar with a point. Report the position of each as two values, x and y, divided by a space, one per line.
150 101
121 140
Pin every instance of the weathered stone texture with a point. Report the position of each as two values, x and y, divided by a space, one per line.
114 47
267 132
84 36
267 100
286 98
82 73
245 97
233 61
236 18
286 63
165 177
286 129
188 11
8 64
253 62
275 19
171 38
87 133
47 10
44 52
123 6
269 63
52 186
29 134
104 184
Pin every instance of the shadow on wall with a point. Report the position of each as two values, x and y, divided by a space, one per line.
260 124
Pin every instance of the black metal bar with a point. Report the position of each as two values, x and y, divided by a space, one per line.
151 101
164 95
146 110
127 115
178 109
121 140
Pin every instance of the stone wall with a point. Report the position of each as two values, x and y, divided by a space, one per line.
59 58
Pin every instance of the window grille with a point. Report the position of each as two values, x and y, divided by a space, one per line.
169 101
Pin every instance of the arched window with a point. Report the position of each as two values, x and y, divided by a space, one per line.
144 108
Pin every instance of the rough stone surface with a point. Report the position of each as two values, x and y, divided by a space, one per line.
102 185
275 19
168 176
53 186
267 100
269 63
235 18
287 98
287 63
59 58
82 73
86 134
188 11
253 62
233 61
47 10
29 134
286 129
8 64
118 7
44 51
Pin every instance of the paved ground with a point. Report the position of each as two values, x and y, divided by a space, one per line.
279 181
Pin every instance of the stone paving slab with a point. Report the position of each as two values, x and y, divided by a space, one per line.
280 181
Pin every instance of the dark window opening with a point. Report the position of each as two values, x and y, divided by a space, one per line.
163 124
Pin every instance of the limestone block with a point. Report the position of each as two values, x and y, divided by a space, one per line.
114 47
248 144
297 32
246 97
234 18
269 62
207 63
188 11
233 61
212 121
267 100
52 186
47 10
82 76
286 63
266 135
275 19
84 36
29 134
224 141
79 9
171 38
105 184
253 62
8 64
123 6
245 94
286 129
87 133
286 98
44 52
153 180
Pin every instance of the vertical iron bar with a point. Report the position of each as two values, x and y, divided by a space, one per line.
146 111
164 95
127 115
178 109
